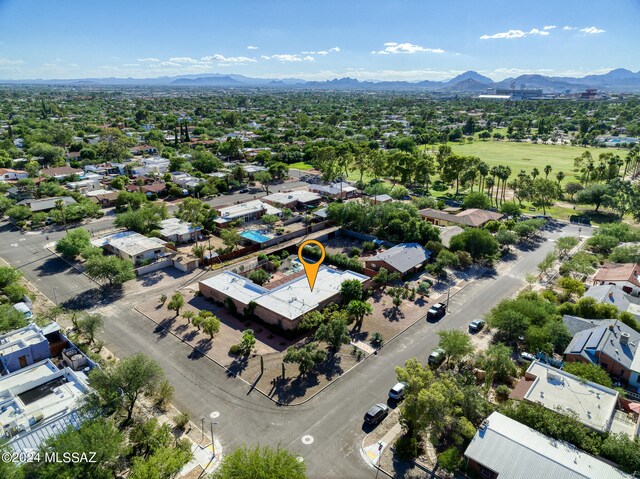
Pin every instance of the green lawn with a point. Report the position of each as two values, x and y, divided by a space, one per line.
301 165
524 156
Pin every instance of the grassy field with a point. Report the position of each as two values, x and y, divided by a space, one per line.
525 156
301 165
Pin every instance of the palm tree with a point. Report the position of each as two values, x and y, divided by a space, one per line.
506 173
535 173
483 170
560 176
547 170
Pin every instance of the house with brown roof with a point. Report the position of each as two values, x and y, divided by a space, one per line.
156 188
60 172
624 275
143 149
472 217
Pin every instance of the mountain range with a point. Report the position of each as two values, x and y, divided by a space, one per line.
618 80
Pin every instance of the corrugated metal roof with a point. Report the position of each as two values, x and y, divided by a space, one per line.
516 451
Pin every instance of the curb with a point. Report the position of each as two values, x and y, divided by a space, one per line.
253 388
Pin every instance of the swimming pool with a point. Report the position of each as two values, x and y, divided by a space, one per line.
256 236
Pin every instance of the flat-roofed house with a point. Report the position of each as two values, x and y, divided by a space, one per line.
503 448
40 401
472 217
284 305
292 199
134 247
405 258
624 275
178 231
592 404
340 189
23 347
245 212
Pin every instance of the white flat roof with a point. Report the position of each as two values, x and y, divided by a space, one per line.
250 207
560 391
20 339
173 226
235 286
292 299
302 196
130 242
100 191
30 399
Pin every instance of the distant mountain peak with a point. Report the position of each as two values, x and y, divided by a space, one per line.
470 75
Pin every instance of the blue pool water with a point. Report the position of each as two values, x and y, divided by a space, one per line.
255 236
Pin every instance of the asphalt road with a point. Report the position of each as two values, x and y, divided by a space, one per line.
333 418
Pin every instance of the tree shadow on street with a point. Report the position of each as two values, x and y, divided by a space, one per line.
96 297
54 265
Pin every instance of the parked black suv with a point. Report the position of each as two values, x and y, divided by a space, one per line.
376 414
437 311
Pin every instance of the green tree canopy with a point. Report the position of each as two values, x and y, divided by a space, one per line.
260 463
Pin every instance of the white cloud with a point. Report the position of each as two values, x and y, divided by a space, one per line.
535 31
568 28
221 58
183 60
251 47
288 58
147 60
6 61
322 52
395 48
591 30
509 34
519 33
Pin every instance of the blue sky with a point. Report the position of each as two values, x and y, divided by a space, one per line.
372 39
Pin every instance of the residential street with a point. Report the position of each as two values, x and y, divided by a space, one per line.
333 419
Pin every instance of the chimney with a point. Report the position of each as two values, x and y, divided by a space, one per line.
624 338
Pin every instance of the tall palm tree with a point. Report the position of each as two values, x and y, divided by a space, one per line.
560 176
547 170
535 173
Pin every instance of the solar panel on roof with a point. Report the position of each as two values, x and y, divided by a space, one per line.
596 336
579 341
